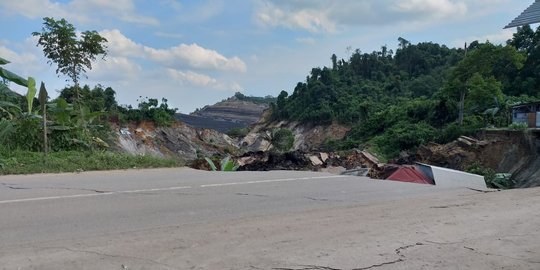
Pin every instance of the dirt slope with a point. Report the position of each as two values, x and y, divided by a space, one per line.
179 140
515 152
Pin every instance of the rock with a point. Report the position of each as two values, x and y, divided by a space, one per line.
371 159
324 156
243 161
333 169
315 161
357 172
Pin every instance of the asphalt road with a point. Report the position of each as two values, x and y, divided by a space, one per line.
187 219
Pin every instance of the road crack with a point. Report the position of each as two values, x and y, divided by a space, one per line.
17 187
379 265
308 267
10 186
322 199
398 252
451 206
254 195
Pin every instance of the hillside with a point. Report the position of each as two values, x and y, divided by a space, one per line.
396 101
235 112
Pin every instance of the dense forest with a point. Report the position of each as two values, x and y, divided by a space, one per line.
423 92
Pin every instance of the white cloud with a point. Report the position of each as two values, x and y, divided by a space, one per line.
195 56
79 10
115 69
201 80
496 38
328 16
192 78
120 45
180 56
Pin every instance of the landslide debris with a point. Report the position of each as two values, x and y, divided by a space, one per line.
504 151
307 137
351 162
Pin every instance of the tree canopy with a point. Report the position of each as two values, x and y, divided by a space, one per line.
73 55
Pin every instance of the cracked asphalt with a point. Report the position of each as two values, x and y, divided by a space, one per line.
187 219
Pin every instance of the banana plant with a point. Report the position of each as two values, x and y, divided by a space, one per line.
10 76
227 164
29 83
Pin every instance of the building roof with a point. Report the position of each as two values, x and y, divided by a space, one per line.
410 174
529 16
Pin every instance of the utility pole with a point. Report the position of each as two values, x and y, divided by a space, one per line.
461 105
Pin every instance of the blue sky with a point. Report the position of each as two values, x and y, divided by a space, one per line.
196 53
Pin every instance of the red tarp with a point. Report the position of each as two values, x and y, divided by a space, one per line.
411 175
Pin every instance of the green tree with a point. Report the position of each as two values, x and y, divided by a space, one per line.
72 55
487 60
484 93
282 139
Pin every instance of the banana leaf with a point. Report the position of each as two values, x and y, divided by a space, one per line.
227 165
32 90
10 76
9 108
211 163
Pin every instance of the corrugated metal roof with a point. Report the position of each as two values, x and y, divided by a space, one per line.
529 16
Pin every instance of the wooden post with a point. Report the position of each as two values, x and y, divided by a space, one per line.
43 101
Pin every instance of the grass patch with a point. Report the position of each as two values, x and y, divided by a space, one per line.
26 162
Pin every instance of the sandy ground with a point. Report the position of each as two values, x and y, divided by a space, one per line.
455 230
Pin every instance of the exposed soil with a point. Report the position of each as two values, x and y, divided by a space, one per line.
504 151
307 137
179 140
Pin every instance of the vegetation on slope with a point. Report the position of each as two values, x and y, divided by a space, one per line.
423 92
75 126
256 100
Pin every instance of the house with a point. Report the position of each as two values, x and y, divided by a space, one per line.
528 113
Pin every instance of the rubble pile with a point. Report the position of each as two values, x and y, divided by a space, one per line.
356 162
458 155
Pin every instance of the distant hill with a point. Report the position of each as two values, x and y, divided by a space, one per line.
235 112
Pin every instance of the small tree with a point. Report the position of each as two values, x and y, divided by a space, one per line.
72 55
281 139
